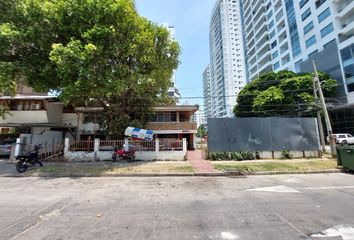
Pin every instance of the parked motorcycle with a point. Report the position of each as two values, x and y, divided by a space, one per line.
28 160
122 154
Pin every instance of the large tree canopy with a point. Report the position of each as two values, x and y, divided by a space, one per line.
283 93
90 51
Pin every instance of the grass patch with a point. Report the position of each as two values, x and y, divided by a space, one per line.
69 170
150 169
183 169
277 166
123 169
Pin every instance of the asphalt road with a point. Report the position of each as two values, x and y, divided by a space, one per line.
256 207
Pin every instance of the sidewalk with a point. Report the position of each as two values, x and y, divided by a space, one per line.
199 164
194 166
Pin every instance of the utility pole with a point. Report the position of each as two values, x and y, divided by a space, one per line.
325 113
319 120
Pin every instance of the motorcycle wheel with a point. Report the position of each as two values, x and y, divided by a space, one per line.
130 158
21 167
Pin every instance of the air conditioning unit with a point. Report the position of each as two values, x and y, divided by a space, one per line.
35 106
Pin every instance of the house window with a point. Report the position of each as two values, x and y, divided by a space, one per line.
302 3
271 24
276 65
327 30
297 66
306 14
324 15
311 41
166 117
319 3
308 27
312 55
270 14
329 43
275 54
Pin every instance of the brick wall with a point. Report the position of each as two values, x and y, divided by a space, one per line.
172 126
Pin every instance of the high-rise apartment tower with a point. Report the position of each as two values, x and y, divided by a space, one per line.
227 58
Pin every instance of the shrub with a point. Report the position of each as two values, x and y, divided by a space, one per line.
287 155
238 156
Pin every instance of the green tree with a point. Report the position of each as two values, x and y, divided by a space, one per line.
202 131
283 93
91 52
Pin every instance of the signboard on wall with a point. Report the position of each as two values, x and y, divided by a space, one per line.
139 133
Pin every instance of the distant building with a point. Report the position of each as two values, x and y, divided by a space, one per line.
227 58
23 89
173 90
207 92
291 34
199 118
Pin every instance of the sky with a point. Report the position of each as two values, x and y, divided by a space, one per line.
190 19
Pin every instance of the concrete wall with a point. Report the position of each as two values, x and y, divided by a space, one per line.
89 127
48 140
25 117
55 112
107 155
162 156
295 154
39 130
70 119
140 155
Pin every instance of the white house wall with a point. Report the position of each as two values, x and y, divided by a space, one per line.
70 119
25 117
55 112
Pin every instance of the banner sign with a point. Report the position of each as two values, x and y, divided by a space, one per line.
139 133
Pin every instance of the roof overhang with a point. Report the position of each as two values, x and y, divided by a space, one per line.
177 108
50 125
28 97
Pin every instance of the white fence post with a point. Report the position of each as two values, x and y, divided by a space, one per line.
157 145
126 144
96 146
66 145
18 147
184 145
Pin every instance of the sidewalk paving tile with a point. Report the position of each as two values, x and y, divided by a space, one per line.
199 164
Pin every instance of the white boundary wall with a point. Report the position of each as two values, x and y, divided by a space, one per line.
97 155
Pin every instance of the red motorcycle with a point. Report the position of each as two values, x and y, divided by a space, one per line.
122 154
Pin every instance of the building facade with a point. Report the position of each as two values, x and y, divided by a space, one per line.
290 35
227 58
199 118
175 122
207 92
173 90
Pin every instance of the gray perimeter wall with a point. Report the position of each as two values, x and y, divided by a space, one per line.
262 134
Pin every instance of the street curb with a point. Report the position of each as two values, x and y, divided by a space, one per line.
79 175
237 173
217 174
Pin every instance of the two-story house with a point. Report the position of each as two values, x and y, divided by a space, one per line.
37 114
175 122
